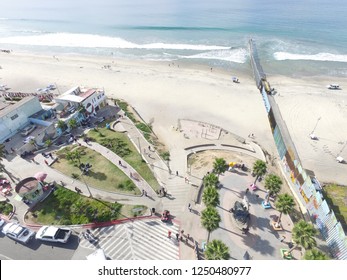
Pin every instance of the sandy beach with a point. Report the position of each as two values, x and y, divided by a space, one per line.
162 94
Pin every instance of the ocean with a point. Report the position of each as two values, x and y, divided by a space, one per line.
294 38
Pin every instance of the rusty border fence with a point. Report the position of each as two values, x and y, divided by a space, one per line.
301 183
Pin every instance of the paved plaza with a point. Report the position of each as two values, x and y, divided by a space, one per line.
147 238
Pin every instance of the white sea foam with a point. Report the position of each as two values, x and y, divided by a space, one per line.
316 57
96 41
233 55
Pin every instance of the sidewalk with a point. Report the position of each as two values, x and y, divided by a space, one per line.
180 192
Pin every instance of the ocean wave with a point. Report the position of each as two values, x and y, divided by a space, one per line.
173 28
97 41
316 57
238 55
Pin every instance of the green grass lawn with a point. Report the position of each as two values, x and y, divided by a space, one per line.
65 207
127 151
103 174
336 197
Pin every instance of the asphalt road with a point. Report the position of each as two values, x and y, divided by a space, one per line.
37 250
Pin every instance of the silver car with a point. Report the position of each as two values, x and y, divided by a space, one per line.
26 131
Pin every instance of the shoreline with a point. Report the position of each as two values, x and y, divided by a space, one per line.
162 94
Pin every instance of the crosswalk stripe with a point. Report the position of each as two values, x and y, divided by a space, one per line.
140 239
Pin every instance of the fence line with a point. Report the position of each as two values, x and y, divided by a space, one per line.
307 190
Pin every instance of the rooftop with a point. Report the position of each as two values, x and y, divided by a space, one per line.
76 94
16 105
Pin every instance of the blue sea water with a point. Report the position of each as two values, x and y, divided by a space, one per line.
293 37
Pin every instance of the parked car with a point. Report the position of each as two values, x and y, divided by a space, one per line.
26 131
27 140
18 232
53 234
2 222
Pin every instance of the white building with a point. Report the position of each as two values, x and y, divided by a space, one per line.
91 99
15 117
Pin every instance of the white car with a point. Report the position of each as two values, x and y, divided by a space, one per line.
26 131
53 234
18 232
51 87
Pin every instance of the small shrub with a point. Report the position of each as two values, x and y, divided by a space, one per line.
129 185
165 155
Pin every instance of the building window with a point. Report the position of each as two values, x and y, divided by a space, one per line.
14 117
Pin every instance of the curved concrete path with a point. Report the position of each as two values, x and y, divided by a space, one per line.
180 192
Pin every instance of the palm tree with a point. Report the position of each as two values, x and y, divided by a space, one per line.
315 254
77 154
217 250
62 125
210 196
210 220
219 166
273 185
303 234
284 204
72 123
259 169
210 180
48 142
74 156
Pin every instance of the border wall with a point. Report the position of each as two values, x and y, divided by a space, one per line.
304 186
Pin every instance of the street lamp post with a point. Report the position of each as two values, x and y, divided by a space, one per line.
90 193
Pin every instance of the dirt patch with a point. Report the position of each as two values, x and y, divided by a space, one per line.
202 162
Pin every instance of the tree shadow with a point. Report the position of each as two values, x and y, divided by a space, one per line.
239 173
97 175
260 245
227 210
254 198
261 223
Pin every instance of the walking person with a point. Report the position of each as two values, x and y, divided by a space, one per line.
282 238
182 231
176 173
46 162
177 236
50 155
190 207
169 234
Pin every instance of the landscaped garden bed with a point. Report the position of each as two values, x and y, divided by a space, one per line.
65 207
5 208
